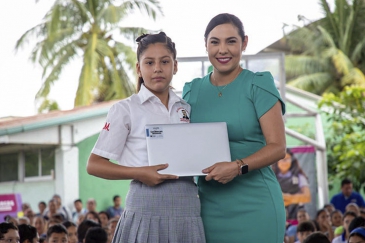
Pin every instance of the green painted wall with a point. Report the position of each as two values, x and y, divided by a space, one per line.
101 190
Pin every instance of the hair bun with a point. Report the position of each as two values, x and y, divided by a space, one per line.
139 38
162 33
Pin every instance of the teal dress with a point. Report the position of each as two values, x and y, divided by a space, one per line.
250 208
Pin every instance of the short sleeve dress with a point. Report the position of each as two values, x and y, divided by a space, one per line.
250 208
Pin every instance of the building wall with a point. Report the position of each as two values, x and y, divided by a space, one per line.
32 192
101 190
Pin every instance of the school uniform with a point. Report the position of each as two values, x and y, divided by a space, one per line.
170 211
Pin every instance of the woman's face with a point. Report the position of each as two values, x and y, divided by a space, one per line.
284 164
157 66
224 46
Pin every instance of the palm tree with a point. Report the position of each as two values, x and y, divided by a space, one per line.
327 54
87 28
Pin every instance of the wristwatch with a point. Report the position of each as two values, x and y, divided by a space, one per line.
243 168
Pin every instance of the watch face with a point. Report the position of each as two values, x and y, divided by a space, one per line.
244 169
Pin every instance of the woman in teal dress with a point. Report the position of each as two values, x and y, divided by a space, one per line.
241 200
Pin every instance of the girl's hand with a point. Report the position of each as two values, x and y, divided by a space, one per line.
148 175
222 172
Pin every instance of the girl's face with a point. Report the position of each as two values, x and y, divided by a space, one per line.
224 46
104 219
321 219
157 66
72 234
285 164
336 219
39 225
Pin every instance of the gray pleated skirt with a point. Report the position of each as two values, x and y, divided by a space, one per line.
167 213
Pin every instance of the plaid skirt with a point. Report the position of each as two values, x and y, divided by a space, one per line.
166 213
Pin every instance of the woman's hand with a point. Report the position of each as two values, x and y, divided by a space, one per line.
222 172
148 175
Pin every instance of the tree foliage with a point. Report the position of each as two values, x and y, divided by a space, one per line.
329 54
88 29
346 134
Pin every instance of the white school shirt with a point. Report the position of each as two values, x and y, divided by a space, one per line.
123 137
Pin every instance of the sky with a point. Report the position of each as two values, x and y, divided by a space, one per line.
183 20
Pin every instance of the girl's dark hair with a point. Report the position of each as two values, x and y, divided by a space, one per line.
295 168
145 40
106 213
27 232
5 227
95 214
320 211
57 228
83 227
68 224
225 18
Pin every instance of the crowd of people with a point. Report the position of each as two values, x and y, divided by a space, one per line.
53 220
334 223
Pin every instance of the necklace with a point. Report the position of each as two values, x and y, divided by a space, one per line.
220 92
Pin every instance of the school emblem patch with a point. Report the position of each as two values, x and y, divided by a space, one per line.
183 115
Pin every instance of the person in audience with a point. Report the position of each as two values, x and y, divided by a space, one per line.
29 213
291 232
330 208
357 235
96 235
9 233
104 218
304 229
113 225
52 209
116 209
346 196
41 207
353 208
324 222
28 234
71 231
356 222
57 234
83 227
62 209
347 218
41 225
91 205
10 219
79 210
94 216
23 220
55 219
317 237
336 219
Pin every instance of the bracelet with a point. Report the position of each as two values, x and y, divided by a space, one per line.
238 161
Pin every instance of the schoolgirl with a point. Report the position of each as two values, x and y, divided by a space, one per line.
159 208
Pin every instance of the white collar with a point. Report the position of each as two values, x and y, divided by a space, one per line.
145 94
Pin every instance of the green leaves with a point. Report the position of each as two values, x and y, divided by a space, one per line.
73 28
346 133
327 54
